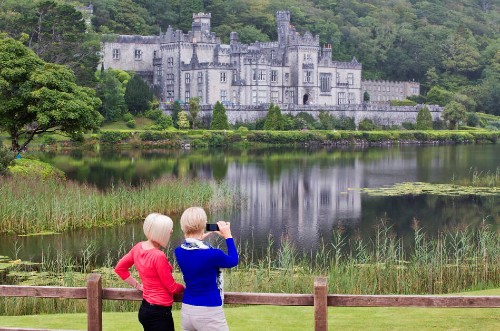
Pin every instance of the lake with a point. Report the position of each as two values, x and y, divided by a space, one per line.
301 194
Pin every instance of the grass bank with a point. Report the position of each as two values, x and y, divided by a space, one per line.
32 205
256 318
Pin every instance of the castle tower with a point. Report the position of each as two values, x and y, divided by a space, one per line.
201 23
283 22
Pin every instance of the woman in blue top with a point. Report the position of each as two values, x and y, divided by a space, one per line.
201 267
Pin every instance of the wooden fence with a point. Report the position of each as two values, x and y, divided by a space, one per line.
320 299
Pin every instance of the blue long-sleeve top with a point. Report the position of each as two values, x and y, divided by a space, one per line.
200 268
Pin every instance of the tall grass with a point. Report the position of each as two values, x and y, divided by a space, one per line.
31 205
449 262
452 261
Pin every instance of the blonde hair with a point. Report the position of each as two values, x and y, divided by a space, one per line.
157 228
193 220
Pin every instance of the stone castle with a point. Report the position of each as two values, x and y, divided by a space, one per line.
294 72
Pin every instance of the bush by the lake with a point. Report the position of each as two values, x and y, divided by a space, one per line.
113 137
31 205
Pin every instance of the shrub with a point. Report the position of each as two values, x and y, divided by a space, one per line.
408 125
128 117
377 136
6 158
113 137
131 124
219 118
424 119
472 119
405 102
366 124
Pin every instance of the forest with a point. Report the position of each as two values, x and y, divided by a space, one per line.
452 47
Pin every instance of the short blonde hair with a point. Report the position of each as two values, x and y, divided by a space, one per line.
193 220
157 228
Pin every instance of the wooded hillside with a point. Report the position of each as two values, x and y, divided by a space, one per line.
452 47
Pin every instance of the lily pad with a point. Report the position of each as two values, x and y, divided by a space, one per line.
420 188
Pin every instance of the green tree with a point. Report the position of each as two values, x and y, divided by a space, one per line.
454 113
194 109
38 97
219 118
366 96
274 118
183 121
366 124
424 119
110 91
57 33
6 158
138 95
439 96
176 109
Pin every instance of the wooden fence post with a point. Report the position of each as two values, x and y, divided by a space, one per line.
94 302
320 304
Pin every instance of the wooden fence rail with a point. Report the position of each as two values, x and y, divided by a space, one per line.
320 299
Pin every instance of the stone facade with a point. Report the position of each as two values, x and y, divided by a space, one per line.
294 70
384 91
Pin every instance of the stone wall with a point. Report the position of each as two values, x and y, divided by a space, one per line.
380 114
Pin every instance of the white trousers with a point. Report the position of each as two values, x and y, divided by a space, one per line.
201 318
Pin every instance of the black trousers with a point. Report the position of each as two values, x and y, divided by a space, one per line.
155 317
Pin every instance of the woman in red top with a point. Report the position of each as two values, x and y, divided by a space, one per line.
158 285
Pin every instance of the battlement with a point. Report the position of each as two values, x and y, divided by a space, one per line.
201 15
283 16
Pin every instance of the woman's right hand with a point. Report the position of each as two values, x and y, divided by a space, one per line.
224 229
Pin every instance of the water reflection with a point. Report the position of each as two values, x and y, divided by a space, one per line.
303 194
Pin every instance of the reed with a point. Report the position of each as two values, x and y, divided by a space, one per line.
449 262
32 205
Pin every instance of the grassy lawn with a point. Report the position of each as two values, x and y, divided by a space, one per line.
141 123
255 318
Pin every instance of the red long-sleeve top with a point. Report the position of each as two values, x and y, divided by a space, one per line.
155 272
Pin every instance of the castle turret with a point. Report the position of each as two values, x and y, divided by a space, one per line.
283 22
201 23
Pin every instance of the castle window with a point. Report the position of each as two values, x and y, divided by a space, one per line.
187 78
262 96
274 96
170 78
287 76
262 75
200 93
223 95
337 77
200 77
159 71
274 76
341 98
116 54
187 96
308 76
170 61
325 82
138 55
170 93
223 77
254 97
292 96
350 79
350 98
273 54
